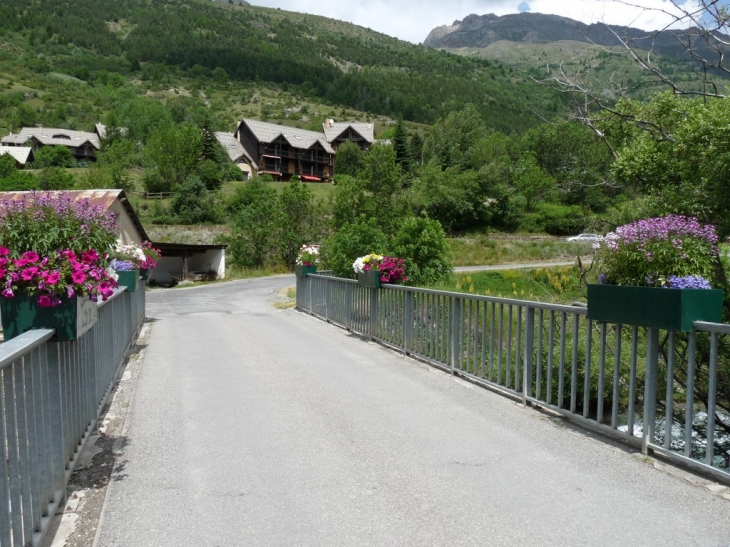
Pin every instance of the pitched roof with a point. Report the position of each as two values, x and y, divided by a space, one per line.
100 198
53 136
235 149
297 138
100 129
332 130
22 154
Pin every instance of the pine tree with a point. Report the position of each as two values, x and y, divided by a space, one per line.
209 144
400 144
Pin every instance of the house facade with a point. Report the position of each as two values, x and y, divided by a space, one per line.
361 134
284 152
83 145
237 154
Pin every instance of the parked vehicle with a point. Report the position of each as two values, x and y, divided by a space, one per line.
588 238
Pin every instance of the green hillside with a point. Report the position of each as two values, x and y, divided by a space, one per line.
66 63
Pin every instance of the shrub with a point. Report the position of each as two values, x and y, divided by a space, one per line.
352 240
421 242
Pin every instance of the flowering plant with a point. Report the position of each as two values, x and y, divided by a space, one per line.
367 263
51 277
672 251
128 253
45 222
151 254
391 268
308 255
122 265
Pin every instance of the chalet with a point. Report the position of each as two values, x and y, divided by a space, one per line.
21 154
284 152
361 134
83 145
237 153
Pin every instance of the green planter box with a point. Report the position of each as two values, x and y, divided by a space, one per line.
72 318
669 309
370 278
304 271
129 279
144 273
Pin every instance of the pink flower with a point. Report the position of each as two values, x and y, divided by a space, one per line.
53 278
78 277
44 301
28 274
8 293
70 291
90 256
21 262
4 251
31 256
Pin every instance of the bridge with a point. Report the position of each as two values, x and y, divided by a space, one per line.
252 425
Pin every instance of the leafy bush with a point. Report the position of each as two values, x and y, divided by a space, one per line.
362 237
421 242
55 178
54 156
555 219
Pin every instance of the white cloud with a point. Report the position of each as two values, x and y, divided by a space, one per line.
412 20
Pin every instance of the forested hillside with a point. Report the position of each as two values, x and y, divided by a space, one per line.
336 62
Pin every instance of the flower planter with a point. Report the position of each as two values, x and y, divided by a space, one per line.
369 278
129 279
668 309
304 271
144 273
72 318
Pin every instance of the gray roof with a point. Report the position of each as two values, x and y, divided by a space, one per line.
335 129
53 136
20 153
100 129
297 138
235 149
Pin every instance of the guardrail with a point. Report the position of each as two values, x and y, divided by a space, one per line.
656 390
51 394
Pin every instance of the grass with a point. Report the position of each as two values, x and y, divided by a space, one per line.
554 285
481 250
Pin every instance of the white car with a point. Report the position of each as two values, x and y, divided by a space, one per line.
588 238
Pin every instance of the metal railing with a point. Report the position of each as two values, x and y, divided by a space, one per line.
51 394
663 392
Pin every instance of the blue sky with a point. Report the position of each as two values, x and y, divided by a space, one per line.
412 20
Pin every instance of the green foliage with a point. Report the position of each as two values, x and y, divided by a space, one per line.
352 240
53 156
210 173
116 158
452 137
192 204
253 230
172 155
300 221
403 156
349 159
555 219
55 178
531 182
421 242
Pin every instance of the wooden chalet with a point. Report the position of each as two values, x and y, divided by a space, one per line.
284 152
83 144
361 134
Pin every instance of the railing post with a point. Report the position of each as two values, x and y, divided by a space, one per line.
407 322
455 333
348 306
650 388
310 290
528 362
373 313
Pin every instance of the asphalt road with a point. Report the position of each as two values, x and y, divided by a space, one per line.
256 426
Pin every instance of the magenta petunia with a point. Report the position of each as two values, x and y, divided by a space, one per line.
28 274
78 277
31 256
45 301
53 278
4 251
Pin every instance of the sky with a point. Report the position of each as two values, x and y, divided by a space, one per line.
412 20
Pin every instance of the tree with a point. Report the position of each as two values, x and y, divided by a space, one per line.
362 236
253 230
421 242
453 136
192 204
54 156
349 159
401 146
173 154
531 182
116 158
299 221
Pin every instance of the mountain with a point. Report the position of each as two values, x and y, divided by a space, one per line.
482 30
176 42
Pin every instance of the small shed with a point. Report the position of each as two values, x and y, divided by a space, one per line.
183 261
21 154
